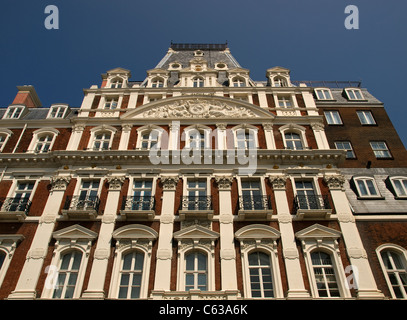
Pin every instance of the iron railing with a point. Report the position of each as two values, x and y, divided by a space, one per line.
253 202
138 203
15 204
82 203
310 202
196 203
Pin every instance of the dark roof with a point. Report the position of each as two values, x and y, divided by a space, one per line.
198 46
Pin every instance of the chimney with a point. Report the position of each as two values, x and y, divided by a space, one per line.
27 96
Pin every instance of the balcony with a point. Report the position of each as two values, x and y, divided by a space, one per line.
137 208
196 207
14 209
252 207
81 208
312 207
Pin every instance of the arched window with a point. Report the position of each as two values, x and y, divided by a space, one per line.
261 281
131 274
198 82
324 273
196 271
395 268
102 141
157 83
67 275
293 141
238 82
149 137
44 142
280 82
4 136
2 258
116 83
246 137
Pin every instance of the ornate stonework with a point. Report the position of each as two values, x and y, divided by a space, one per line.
115 183
278 182
199 108
334 181
169 183
59 182
224 182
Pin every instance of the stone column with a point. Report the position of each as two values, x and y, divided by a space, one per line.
102 253
27 282
319 133
365 282
268 134
76 136
124 139
164 250
296 288
227 246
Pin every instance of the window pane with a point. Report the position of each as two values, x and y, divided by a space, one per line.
201 262
372 189
362 188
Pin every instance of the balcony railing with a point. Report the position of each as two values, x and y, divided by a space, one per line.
79 203
138 203
15 205
311 202
196 203
254 202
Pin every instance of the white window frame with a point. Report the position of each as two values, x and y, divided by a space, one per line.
133 237
352 94
12 111
400 179
300 130
157 82
403 253
198 82
111 103
366 185
7 134
97 130
238 82
37 134
323 94
280 82
321 238
331 119
78 187
149 129
8 245
71 238
193 130
14 187
381 150
248 129
250 242
116 83
348 150
366 117
60 112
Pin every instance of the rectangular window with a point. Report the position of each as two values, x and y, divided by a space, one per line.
57 112
400 186
111 103
366 187
323 94
13 112
366 117
380 149
142 195
354 94
346 145
284 102
196 195
333 117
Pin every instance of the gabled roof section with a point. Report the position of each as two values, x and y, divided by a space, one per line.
198 107
196 232
75 232
317 231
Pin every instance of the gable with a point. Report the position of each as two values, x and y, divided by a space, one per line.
196 232
317 231
198 107
75 232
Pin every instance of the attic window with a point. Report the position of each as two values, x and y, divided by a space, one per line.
175 66
220 65
198 53
13 112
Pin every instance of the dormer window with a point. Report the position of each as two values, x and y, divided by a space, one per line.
157 83
14 112
239 82
198 53
198 82
57 112
116 84
323 94
354 94
280 82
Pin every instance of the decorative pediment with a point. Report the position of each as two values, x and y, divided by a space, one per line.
278 70
317 231
198 107
196 232
118 71
75 232
135 231
257 232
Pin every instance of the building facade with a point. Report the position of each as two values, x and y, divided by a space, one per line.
201 183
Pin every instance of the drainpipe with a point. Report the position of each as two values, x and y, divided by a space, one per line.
19 139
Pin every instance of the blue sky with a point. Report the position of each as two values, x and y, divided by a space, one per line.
308 37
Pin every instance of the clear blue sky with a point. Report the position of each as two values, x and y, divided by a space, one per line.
306 36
